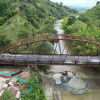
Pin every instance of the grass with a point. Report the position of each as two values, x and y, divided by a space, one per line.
12 27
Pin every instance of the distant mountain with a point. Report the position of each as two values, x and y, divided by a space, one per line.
80 8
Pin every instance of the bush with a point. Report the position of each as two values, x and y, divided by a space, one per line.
43 68
11 13
71 20
38 92
8 95
3 7
23 34
4 41
84 18
2 20
44 48
26 24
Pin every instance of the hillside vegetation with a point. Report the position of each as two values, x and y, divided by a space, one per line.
21 19
87 25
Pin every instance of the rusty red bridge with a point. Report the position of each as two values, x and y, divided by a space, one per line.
52 50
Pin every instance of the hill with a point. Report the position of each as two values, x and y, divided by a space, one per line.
25 18
92 15
87 25
80 7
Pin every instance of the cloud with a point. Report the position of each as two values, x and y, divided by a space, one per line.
71 1
77 2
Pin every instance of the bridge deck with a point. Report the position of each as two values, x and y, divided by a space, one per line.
48 59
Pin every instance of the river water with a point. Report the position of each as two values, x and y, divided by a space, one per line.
88 73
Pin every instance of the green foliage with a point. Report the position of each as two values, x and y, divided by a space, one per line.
43 68
23 34
94 13
77 26
66 25
84 18
12 27
3 7
49 29
71 20
38 92
5 11
8 95
4 41
43 14
11 13
2 20
87 26
44 48
37 16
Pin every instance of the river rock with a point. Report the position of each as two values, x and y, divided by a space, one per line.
65 79
57 78
77 83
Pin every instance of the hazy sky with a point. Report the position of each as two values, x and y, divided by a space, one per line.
86 3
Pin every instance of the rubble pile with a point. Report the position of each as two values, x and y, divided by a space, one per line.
14 83
71 83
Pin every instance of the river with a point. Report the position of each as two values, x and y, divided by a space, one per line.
88 73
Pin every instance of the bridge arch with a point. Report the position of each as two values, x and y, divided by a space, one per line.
47 45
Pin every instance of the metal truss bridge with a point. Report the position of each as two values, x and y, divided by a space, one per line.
52 50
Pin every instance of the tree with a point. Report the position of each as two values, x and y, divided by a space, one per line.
23 34
84 18
44 48
71 20
98 2
2 20
3 7
61 4
4 41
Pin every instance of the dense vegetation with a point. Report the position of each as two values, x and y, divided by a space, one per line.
8 95
38 92
26 18
87 25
